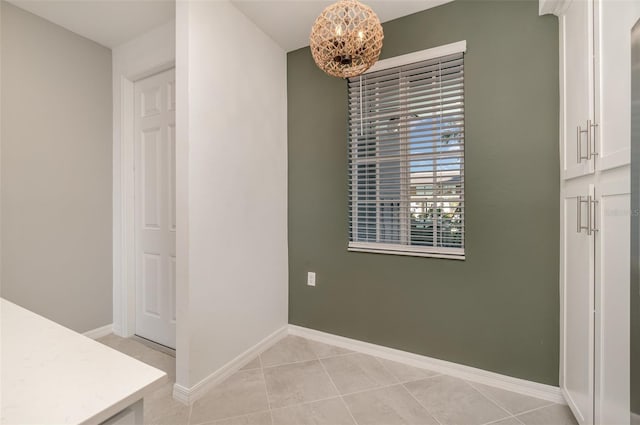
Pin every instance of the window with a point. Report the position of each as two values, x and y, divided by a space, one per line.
406 155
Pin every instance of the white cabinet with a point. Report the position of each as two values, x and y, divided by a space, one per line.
612 307
576 74
577 265
595 141
613 22
595 64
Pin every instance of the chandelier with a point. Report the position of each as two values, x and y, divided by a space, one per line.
346 39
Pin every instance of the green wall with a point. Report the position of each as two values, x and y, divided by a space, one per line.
499 309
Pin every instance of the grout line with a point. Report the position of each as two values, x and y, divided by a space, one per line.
435 374
549 403
266 390
264 378
346 406
490 399
400 381
244 414
336 355
393 375
245 368
407 389
421 405
306 402
500 420
344 403
380 387
232 417
291 363
516 418
537 408
316 357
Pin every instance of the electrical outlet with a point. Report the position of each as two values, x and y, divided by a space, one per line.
311 279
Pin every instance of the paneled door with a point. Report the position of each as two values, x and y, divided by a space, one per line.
577 74
614 20
578 297
612 355
155 218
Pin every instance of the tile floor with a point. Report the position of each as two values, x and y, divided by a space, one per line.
299 382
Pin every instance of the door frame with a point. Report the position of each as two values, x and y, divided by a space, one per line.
158 55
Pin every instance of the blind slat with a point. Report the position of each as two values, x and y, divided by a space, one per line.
368 91
406 123
442 63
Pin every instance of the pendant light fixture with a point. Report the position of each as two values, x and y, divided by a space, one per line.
346 39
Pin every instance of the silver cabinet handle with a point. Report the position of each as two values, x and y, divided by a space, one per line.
579 148
579 132
588 227
591 140
592 215
579 210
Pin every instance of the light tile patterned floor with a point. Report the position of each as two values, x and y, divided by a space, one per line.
300 382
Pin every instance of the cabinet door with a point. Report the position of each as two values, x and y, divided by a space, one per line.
576 26
614 20
612 355
577 268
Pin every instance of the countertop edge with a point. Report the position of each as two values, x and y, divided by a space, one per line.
126 402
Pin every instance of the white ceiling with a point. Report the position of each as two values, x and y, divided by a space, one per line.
107 22
289 22
113 22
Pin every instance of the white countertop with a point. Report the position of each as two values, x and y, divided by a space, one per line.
52 375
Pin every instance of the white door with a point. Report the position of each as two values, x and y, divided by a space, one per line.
578 299
612 299
614 20
577 74
155 221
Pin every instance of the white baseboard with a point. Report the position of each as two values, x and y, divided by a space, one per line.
509 383
572 405
189 395
635 419
99 332
517 385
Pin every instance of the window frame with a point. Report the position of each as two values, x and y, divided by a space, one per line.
402 249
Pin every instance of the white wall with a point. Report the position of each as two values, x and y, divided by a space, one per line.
232 187
148 54
56 171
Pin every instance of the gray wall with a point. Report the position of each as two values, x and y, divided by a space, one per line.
499 309
56 171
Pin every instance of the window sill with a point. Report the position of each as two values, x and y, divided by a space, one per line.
408 253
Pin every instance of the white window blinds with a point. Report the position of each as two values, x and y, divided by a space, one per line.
406 158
